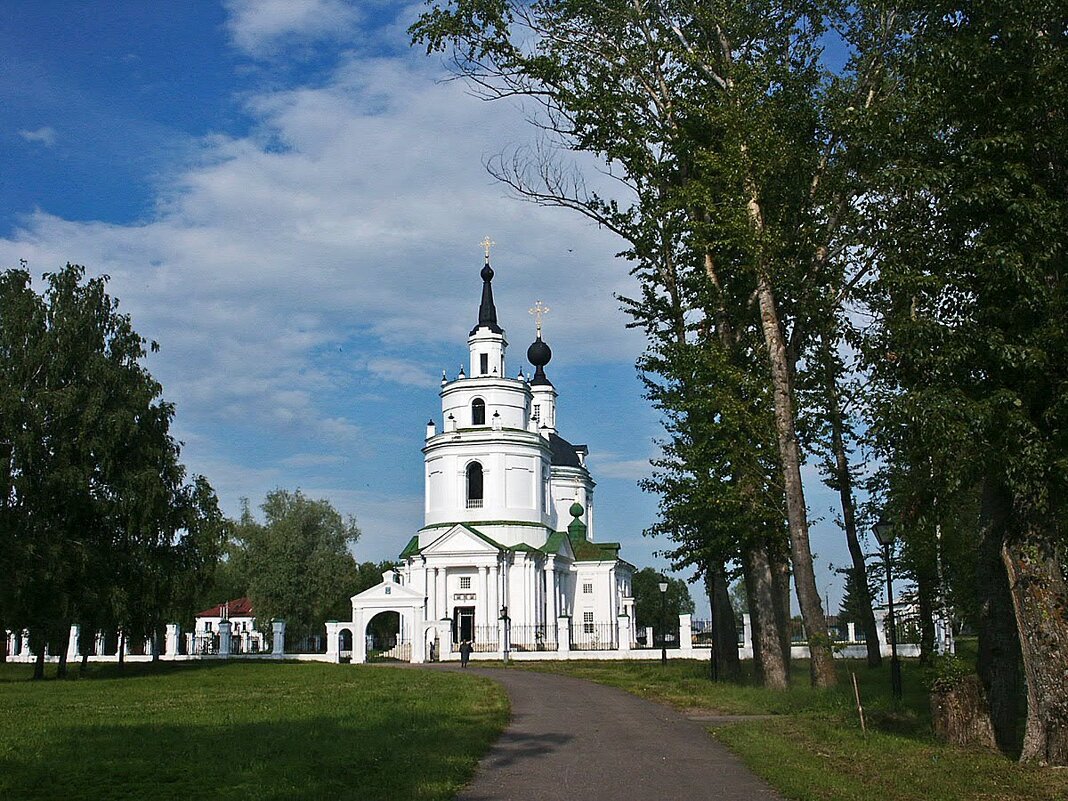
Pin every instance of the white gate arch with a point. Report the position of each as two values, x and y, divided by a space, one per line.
389 596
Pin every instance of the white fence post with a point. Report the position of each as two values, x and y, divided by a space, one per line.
686 634
623 632
563 635
278 638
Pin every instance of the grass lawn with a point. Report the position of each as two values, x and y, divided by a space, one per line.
244 730
812 748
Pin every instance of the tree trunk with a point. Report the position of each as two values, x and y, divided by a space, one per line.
961 715
925 598
1040 603
808 595
122 650
38 664
780 581
998 663
725 640
767 648
844 480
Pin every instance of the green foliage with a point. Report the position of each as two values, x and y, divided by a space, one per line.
297 564
647 599
246 730
98 524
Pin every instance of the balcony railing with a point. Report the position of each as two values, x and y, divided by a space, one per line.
474 503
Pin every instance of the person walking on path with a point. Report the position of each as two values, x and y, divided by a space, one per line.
465 653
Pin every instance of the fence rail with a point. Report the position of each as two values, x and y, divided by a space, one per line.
537 637
484 640
593 636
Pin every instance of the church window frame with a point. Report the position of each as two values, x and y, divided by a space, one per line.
465 582
483 363
475 485
478 412
587 622
587 588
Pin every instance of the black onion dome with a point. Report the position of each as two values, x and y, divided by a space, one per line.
539 354
487 312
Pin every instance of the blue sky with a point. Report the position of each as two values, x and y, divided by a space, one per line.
290 200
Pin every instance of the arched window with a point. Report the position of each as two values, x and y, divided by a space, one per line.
478 412
474 486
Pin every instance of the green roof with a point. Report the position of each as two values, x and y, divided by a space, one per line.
411 549
586 551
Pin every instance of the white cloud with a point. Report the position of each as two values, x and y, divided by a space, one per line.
612 466
45 135
347 222
259 27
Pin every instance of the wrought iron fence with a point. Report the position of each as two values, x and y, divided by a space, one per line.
593 636
483 640
536 637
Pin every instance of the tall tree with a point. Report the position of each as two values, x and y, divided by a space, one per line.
968 220
95 510
297 563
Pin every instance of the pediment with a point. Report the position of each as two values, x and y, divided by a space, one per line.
461 539
388 591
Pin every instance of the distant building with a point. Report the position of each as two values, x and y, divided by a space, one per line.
244 638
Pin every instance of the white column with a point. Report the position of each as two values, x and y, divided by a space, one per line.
494 601
483 596
550 592
443 596
26 643
851 631
432 592
532 592
747 632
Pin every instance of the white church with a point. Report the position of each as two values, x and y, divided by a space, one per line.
506 559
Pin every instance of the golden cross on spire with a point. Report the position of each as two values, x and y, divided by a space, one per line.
538 311
487 243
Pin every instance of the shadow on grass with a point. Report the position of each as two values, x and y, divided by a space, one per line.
319 757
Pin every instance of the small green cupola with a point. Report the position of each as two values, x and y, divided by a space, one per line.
576 528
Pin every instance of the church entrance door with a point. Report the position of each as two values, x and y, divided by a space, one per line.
463 624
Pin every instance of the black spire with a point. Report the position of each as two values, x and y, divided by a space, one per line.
487 312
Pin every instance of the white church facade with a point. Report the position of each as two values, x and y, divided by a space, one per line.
507 558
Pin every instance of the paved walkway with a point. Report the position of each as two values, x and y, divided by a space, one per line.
577 741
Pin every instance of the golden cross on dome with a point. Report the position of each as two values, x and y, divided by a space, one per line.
538 311
487 243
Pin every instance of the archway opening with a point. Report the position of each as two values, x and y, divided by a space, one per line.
385 642
478 412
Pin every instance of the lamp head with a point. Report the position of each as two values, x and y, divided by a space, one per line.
663 586
884 530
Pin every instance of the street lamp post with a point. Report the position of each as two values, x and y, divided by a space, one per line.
663 622
507 633
884 533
